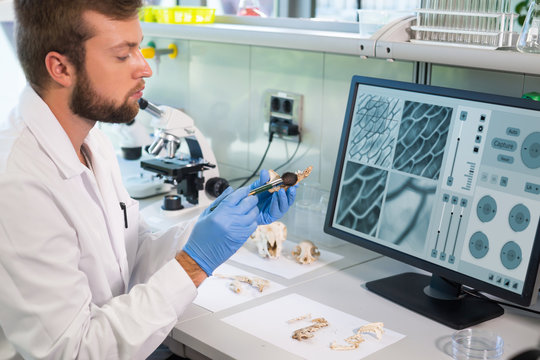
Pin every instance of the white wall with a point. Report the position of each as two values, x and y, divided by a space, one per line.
223 87
12 78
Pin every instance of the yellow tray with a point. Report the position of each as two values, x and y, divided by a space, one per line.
177 15
146 14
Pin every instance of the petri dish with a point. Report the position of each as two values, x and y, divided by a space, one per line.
469 344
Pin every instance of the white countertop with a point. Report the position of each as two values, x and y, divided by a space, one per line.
207 334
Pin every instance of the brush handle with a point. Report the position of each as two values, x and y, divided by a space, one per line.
266 187
256 191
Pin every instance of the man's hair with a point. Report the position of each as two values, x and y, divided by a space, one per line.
57 25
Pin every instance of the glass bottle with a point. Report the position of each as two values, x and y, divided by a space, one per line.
529 40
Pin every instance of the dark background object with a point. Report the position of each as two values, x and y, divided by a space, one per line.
532 354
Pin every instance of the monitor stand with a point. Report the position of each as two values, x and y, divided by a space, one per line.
436 298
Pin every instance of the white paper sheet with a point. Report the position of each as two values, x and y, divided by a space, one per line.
214 293
270 323
285 266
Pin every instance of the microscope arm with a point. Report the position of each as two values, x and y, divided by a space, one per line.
171 125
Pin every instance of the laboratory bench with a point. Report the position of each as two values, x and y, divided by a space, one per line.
201 334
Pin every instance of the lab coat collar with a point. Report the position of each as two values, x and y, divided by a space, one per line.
51 136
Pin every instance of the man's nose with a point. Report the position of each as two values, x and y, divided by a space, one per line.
144 69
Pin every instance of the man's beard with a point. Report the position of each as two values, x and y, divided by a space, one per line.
86 103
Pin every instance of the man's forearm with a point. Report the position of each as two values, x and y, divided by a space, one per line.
194 271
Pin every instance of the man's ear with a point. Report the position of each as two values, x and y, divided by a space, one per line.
60 69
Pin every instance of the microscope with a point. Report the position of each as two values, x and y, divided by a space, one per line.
194 174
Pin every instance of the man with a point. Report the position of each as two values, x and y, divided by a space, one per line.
78 280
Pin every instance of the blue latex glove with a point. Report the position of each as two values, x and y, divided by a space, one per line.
218 234
229 190
272 206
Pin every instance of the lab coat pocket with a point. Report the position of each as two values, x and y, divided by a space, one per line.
131 232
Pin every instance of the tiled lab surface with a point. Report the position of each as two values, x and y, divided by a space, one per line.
169 84
290 71
492 82
532 83
219 100
224 88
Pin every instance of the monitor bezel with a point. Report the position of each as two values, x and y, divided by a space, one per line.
532 279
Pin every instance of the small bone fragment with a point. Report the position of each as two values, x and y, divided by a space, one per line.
307 332
235 286
374 328
355 340
302 317
254 281
353 344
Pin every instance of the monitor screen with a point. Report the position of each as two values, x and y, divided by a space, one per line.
445 180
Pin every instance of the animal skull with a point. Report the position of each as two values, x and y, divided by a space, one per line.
269 239
306 252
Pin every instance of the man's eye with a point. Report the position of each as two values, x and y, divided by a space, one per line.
122 58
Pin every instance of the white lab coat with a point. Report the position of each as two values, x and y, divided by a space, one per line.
74 282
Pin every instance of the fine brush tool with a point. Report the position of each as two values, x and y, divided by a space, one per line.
287 179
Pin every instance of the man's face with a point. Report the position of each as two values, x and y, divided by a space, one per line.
110 83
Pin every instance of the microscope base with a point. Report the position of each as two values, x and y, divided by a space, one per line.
159 219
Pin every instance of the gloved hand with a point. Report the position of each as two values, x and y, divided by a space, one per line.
272 206
219 233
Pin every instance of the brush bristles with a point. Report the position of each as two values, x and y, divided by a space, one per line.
289 178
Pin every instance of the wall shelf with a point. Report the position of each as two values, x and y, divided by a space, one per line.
391 42
285 38
394 44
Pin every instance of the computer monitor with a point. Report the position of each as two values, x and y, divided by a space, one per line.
445 180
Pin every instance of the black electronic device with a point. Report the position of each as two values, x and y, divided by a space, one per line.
447 181
185 174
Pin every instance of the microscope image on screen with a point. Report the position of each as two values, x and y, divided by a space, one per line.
409 137
422 139
406 219
361 198
374 130
445 179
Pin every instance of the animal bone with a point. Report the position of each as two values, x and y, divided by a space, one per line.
256 282
300 175
269 239
302 317
354 343
306 252
374 328
236 286
355 340
307 332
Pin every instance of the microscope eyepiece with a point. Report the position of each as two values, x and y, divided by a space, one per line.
143 103
151 108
